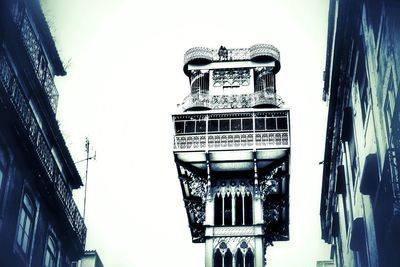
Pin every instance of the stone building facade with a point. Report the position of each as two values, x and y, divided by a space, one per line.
360 197
40 224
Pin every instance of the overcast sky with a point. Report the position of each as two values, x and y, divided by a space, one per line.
124 62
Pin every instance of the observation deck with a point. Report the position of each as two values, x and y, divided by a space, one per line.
231 140
256 53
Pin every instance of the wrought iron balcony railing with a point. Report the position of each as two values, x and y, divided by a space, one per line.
204 100
42 149
36 55
254 51
394 171
231 140
220 131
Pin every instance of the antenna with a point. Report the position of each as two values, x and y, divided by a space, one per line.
87 146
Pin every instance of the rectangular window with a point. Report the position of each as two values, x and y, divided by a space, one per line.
271 123
236 124
224 125
213 125
260 124
282 123
179 127
189 126
247 124
200 126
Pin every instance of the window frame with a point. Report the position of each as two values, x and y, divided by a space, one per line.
5 162
26 213
53 251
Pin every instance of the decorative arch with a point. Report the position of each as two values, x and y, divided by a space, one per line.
222 256
244 255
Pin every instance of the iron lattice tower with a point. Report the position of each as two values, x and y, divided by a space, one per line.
232 150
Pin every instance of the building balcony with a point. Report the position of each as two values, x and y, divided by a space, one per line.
34 135
207 101
227 131
231 140
37 56
227 141
393 169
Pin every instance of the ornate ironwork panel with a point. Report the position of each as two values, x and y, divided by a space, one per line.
231 140
231 77
198 235
36 55
231 101
235 54
198 53
394 170
197 184
197 209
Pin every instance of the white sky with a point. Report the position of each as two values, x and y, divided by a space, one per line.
124 80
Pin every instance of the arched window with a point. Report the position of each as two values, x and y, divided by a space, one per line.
217 258
228 210
25 224
249 260
239 210
51 253
218 210
248 209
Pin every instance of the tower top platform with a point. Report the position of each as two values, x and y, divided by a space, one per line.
258 53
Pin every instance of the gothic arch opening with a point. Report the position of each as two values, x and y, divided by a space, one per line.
218 209
248 209
249 259
238 210
239 258
217 258
228 210
228 258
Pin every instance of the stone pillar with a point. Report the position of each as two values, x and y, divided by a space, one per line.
209 253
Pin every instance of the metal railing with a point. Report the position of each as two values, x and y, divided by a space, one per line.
206 130
36 56
228 141
394 158
232 53
37 139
